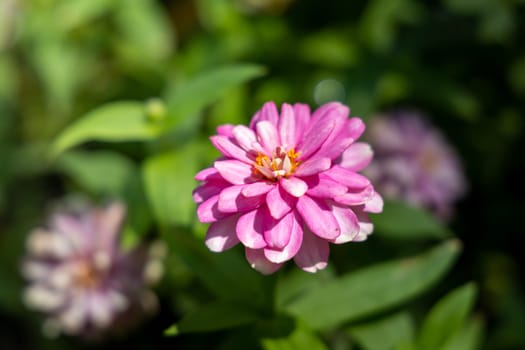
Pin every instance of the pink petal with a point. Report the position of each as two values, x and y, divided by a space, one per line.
366 227
313 166
287 128
356 197
356 127
292 247
267 136
294 186
225 130
208 174
269 112
277 232
323 187
356 157
229 149
339 138
208 189
302 118
279 202
234 171
314 252
250 229
231 200
330 108
244 136
374 204
348 222
347 177
259 262
314 137
318 217
257 188
221 234
208 211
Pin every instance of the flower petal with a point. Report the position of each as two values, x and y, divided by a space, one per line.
225 130
208 211
279 202
366 227
221 234
208 174
313 166
234 171
250 229
231 200
347 177
208 189
356 197
318 217
294 242
287 128
348 222
314 136
244 136
277 232
374 204
267 136
294 186
257 188
229 149
356 157
259 262
324 187
314 252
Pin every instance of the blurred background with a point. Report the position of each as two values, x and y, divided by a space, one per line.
459 62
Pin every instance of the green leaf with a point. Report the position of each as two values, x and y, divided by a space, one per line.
374 289
213 317
226 275
469 337
385 333
86 169
402 221
186 100
447 317
300 338
117 121
168 179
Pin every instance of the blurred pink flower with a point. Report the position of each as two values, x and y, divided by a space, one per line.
81 278
414 162
287 186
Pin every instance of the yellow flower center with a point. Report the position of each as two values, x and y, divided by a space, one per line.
281 163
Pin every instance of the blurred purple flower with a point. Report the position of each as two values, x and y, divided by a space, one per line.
414 162
81 278
287 186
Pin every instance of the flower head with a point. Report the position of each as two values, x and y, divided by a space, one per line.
287 186
80 277
414 162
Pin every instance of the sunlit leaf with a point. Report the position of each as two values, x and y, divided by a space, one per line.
385 333
117 121
402 221
185 100
168 179
447 317
373 289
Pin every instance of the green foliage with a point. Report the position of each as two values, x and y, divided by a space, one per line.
117 121
402 221
373 289
168 179
447 318
385 333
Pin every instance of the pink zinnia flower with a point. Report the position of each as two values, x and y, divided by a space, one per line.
287 186
83 280
414 162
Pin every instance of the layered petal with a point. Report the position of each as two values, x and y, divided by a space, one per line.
234 171
259 262
221 234
318 217
313 254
